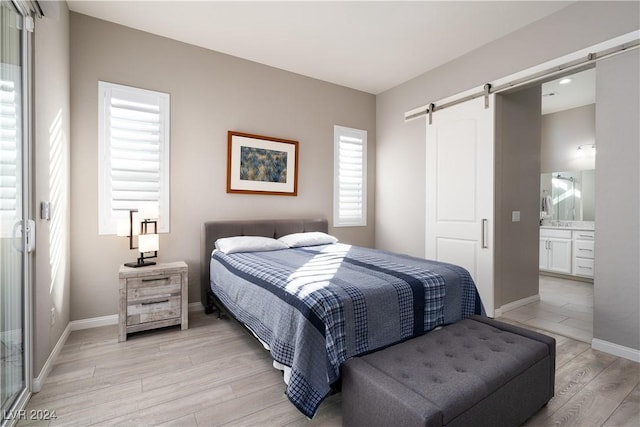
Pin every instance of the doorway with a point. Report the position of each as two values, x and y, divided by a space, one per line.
538 148
566 202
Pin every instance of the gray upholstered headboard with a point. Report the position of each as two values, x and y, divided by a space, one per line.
213 230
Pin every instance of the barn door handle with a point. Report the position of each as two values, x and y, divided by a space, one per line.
484 233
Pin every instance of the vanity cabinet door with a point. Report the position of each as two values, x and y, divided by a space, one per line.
560 255
555 250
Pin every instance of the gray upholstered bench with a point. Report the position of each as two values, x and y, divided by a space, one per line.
476 372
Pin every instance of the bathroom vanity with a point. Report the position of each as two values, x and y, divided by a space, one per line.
567 227
567 249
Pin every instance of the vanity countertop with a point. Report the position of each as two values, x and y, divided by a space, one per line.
569 227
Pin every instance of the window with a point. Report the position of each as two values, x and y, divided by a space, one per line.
133 164
350 177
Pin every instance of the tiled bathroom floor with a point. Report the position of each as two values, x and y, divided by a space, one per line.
565 308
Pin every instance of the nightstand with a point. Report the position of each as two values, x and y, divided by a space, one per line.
153 297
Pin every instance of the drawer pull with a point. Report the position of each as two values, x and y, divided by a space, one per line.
154 302
585 235
583 249
156 279
582 266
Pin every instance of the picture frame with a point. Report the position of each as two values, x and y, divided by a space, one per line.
258 164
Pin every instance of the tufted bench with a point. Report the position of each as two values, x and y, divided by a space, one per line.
476 372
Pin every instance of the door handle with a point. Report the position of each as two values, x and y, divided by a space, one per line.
483 230
29 235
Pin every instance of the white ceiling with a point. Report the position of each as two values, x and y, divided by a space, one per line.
580 91
369 46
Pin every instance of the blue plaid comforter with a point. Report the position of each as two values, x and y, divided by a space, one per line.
317 306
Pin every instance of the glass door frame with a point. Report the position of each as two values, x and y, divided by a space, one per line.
25 9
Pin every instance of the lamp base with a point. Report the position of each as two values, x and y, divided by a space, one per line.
139 264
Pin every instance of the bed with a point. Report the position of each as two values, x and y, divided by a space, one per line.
320 302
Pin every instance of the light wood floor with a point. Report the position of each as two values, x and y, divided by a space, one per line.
565 308
214 374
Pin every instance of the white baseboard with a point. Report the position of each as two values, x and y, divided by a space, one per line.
38 382
94 322
515 304
616 349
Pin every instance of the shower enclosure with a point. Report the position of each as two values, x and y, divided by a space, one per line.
567 196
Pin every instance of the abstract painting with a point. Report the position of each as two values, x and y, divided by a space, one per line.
259 164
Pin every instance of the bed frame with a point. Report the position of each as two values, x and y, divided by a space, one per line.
213 230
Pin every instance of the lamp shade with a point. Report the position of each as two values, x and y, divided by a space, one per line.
148 242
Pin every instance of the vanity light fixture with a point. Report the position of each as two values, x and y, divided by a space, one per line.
565 81
587 149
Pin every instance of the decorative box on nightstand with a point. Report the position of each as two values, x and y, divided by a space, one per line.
153 297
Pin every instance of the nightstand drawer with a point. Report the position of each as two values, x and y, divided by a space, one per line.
151 287
153 309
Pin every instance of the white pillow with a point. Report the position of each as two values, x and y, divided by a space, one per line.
230 245
311 238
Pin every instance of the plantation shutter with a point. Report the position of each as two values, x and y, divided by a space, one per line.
350 177
10 129
135 153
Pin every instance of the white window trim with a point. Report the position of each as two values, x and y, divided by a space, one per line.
339 131
108 223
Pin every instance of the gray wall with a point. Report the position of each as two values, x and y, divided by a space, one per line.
400 190
617 272
211 93
517 185
51 180
562 133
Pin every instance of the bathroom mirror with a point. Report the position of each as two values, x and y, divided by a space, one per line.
568 196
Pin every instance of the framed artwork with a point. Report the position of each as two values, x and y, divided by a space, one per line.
261 165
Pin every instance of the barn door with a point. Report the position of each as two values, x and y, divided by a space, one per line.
460 190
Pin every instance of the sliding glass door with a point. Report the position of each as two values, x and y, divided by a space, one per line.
13 212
